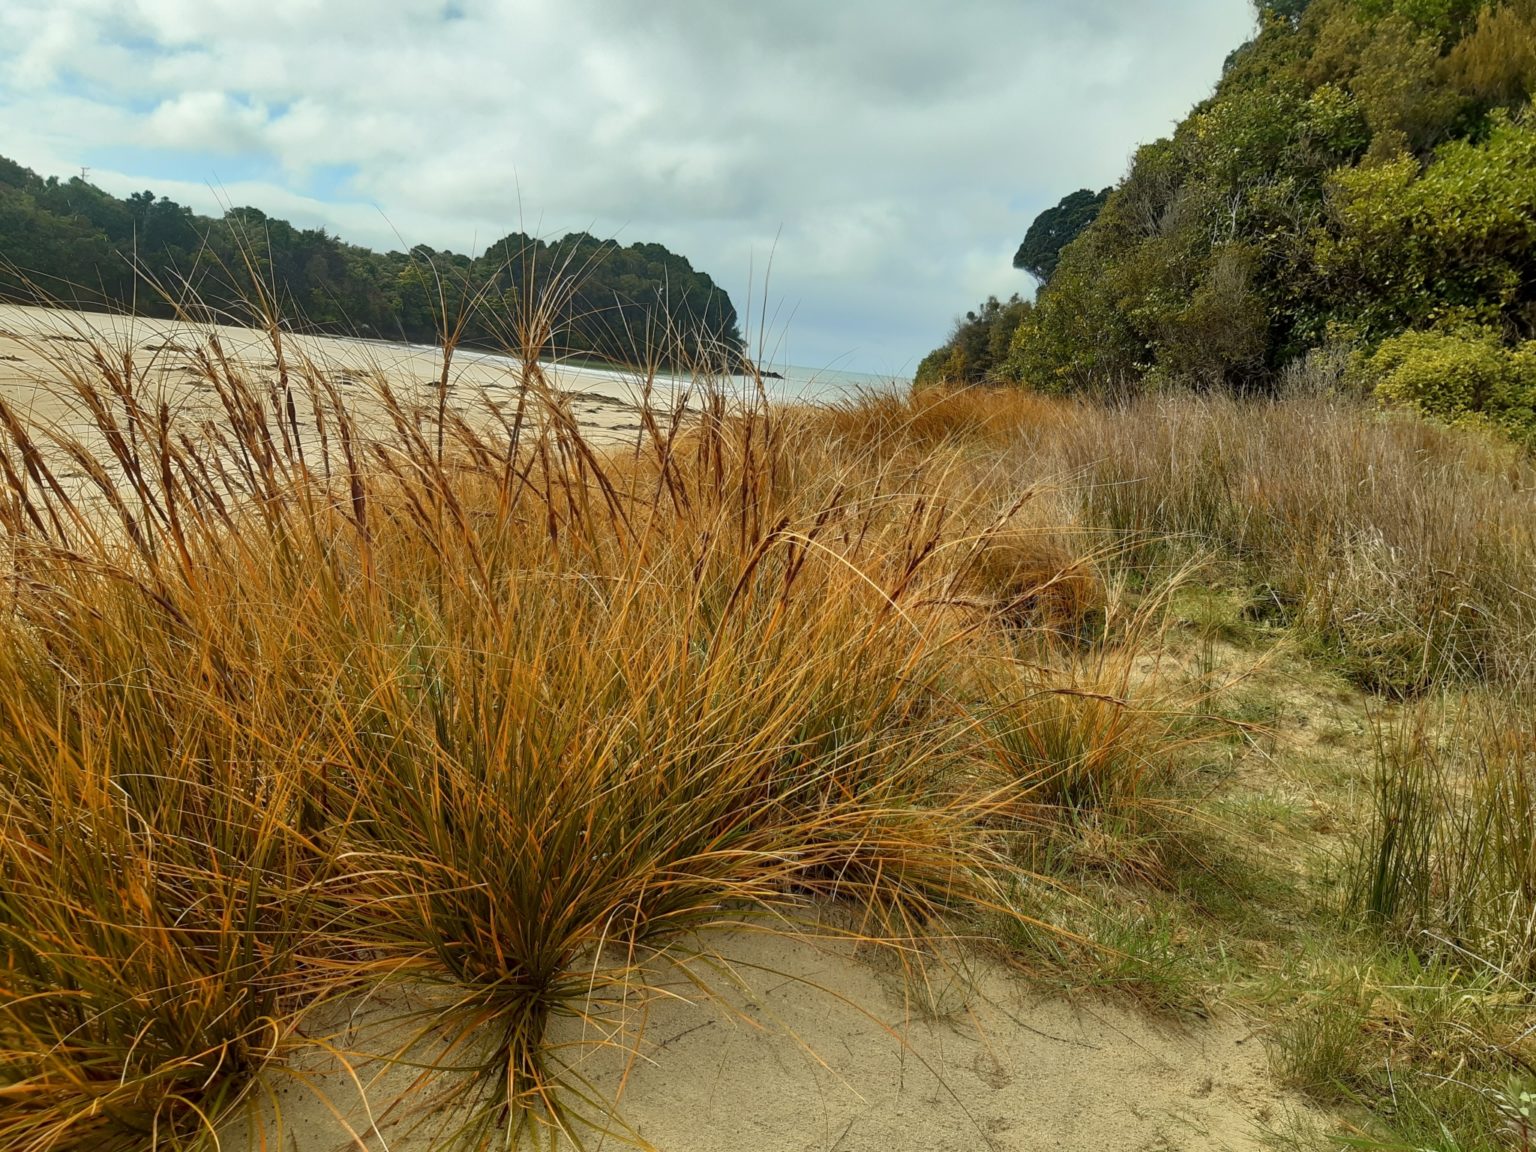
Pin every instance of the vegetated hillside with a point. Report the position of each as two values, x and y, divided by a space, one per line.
1364 177
73 242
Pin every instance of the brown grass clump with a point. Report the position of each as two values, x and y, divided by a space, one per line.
1039 581
311 682
303 692
931 417
1100 738
1403 549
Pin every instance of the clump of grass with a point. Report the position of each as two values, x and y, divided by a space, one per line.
1429 1049
1103 740
556 706
930 417
609 770
1046 582
158 911
1448 862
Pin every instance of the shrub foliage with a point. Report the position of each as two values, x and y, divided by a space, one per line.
1364 170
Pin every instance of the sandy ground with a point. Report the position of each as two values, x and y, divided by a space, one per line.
810 1048
35 342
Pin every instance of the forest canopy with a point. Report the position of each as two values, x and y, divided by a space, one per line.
1363 178
78 245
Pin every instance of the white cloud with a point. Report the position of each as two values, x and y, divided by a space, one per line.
206 121
898 150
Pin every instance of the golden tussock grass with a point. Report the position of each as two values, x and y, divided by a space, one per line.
304 690
296 698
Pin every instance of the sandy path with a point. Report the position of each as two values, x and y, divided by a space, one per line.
786 1062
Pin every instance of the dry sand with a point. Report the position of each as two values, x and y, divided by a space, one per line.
812 1048
33 340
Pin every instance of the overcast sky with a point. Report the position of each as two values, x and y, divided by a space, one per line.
888 154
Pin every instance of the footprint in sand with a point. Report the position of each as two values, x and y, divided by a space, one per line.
990 1072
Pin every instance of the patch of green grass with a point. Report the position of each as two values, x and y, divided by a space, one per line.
1138 947
1423 1049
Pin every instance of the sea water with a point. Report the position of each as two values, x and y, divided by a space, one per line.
787 384
827 385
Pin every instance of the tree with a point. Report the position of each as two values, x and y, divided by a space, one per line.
616 303
1054 229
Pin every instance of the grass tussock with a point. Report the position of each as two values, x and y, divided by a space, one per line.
309 682
1449 860
1097 736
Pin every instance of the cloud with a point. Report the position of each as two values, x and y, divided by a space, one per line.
209 122
890 155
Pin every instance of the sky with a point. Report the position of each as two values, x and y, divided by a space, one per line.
858 172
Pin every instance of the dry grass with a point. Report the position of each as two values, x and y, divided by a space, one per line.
938 416
301 691
295 698
1402 548
1449 861
1397 552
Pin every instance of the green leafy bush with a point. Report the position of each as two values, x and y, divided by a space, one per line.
1412 249
1461 376
1364 169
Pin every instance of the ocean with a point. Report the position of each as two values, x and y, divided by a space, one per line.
792 384
828 385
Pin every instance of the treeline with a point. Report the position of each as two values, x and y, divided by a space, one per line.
1363 180
78 245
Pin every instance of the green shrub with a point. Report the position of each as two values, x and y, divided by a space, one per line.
1461 377
1497 63
1416 248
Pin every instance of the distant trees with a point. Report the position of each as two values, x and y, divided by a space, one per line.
977 347
1364 177
83 246
1054 229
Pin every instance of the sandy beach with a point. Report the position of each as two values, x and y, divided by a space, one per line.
35 342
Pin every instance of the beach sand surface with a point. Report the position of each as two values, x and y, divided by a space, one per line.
810 1045
38 346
